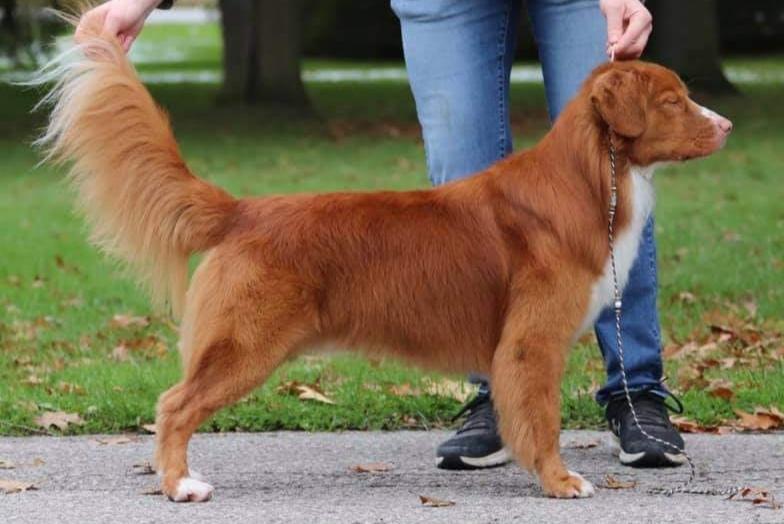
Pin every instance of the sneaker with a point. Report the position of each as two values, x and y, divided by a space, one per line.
636 449
476 444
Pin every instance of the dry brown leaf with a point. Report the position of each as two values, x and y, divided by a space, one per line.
458 390
756 496
582 444
433 502
610 482
685 425
404 390
687 297
143 468
6 464
15 486
67 387
38 461
304 392
310 393
372 467
59 419
120 353
152 491
761 420
150 428
33 380
115 441
121 321
721 388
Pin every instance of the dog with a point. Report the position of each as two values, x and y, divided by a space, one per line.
498 273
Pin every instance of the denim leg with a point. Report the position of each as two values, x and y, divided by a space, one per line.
639 326
458 56
571 36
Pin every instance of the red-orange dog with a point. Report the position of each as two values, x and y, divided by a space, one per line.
498 273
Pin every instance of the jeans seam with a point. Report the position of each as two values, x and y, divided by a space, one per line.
502 36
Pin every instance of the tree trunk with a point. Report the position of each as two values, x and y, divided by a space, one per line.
237 34
686 39
262 51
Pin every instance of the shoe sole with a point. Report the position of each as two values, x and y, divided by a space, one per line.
650 459
493 460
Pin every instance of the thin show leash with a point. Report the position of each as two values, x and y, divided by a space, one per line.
685 487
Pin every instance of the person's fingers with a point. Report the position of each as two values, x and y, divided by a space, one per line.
633 40
614 16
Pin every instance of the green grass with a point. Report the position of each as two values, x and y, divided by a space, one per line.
720 227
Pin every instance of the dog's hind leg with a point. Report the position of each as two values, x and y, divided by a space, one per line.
526 377
237 345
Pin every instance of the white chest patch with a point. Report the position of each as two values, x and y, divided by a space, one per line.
626 246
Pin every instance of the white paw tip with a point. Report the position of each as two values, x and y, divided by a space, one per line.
192 490
586 488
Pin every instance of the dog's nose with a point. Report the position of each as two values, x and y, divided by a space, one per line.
724 124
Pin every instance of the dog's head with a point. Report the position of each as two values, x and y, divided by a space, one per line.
649 107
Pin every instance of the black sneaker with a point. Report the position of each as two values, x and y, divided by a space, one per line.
476 444
636 449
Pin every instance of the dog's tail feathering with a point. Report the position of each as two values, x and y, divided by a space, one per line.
143 203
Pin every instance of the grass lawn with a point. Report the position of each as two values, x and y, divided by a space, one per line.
77 336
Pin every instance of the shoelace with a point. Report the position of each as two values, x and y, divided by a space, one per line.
651 409
480 414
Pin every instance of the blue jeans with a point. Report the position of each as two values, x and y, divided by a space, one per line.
459 55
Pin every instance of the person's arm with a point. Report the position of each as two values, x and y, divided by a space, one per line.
121 18
629 25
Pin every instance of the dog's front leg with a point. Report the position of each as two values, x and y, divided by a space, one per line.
526 377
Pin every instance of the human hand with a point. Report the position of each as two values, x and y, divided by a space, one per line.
629 25
123 19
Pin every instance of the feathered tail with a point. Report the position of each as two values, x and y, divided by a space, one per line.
142 201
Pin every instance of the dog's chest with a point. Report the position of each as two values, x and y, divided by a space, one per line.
627 244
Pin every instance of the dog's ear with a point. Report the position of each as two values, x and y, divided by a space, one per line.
617 97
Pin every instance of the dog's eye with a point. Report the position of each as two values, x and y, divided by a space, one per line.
671 101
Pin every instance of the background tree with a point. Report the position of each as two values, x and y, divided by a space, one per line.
686 38
262 52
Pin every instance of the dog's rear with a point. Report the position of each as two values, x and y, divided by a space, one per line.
142 201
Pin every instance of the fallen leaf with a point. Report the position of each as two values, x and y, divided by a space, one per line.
582 444
15 486
150 428
120 353
152 491
59 419
721 388
129 320
610 482
67 387
687 297
115 441
143 468
373 467
761 420
38 461
433 502
6 464
309 393
756 496
304 392
33 380
404 390
458 390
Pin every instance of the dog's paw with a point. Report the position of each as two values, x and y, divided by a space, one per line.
191 490
572 487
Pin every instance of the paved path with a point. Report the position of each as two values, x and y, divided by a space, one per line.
301 477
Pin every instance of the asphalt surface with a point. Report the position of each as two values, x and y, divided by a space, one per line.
307 477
